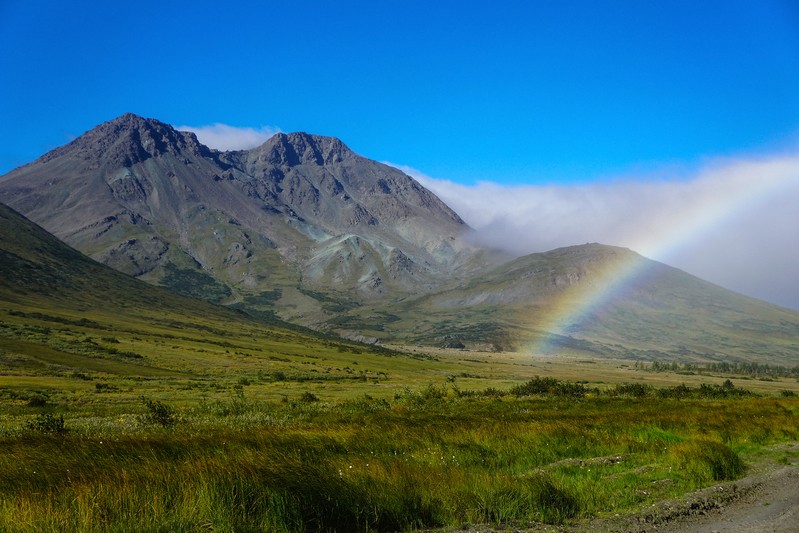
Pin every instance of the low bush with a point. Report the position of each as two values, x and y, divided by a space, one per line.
37 400
636 390
159 413
309 397
47 423
550 386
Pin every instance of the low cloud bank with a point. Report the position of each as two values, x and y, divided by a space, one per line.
734 222
224 137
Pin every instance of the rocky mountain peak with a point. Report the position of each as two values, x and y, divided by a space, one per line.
291 149
127 140
143 197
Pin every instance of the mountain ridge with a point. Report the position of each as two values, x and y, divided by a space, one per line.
129 139
297 211
304 228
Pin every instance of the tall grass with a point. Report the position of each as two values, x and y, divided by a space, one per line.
428 458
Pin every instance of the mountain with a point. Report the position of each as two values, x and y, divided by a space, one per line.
597 300
273 227
303 228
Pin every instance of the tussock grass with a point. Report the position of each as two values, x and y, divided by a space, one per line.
703 460
427 458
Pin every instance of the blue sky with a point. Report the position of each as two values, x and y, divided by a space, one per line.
514 92
581 110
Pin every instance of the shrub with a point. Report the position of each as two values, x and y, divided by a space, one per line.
428 397
37 400
159 413
725 390
309 397
637 390
47 423
365 405
678 392
549 386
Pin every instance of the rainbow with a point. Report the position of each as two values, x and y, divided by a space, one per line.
719 194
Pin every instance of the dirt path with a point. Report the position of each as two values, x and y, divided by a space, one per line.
767 501
771 504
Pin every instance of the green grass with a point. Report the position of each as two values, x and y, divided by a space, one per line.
432 457
256 427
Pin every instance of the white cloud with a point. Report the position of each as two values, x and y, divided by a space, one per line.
224 137
734 222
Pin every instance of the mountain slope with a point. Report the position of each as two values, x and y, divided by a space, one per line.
251 226
64 316
39 270
601 300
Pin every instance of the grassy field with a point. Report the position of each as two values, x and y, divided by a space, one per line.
120 423
435 457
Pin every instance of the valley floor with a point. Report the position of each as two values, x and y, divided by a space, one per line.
545 455
167 422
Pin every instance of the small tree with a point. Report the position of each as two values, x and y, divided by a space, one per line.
159 413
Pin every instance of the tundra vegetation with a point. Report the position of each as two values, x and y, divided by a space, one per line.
163 423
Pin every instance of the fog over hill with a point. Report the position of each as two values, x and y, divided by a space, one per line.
729 221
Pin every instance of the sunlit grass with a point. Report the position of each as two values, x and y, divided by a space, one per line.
127 408
278 430
426 458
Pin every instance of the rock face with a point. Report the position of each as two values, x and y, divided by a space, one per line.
299 211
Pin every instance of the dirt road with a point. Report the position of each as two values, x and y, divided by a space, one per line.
769 504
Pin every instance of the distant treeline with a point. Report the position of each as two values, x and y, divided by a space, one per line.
745 369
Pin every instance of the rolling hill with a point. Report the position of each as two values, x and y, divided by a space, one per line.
598 300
